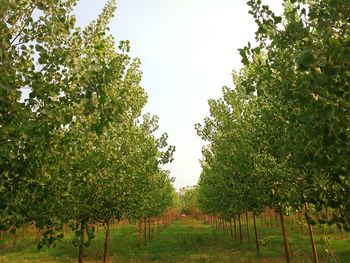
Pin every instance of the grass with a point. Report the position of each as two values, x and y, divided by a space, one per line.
186 240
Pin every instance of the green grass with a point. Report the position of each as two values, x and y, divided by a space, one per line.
185 240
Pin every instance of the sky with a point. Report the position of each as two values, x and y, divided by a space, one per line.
188 49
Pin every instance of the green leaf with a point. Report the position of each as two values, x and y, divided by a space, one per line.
243 54
330 69
334 43
39 48
277 19
67 118
346 55
306 58
41 6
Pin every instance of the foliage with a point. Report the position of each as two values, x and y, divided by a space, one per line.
280 138
74 147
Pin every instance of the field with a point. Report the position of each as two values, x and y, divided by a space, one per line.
186 240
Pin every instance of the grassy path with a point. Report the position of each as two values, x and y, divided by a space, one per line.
185 240
191 241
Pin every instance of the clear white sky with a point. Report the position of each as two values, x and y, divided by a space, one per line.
188 49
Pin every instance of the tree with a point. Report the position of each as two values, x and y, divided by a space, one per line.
74 150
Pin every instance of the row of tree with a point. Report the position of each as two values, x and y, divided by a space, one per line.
281 137
73 147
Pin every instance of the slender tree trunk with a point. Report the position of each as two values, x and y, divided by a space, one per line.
285 238
81 245
223 225
105 254
256 234
149 229
235 226
140 232
247 220
240 228
231 228
312 239
313 245
341 232
145 230
158 226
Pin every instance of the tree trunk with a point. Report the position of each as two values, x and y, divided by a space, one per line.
341 232
247 220
235 226
256 234
145 230
312 239
105 254
140 232
313 245
158 226
81 245
231 232
223 225
284 234
149 229
240 228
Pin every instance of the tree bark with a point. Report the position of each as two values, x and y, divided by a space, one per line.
235 226
223 225
284 234
231 232
105 254
341 233
312 239
240 228
140 232
247 220
256 234
149 230
145 230
81 245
